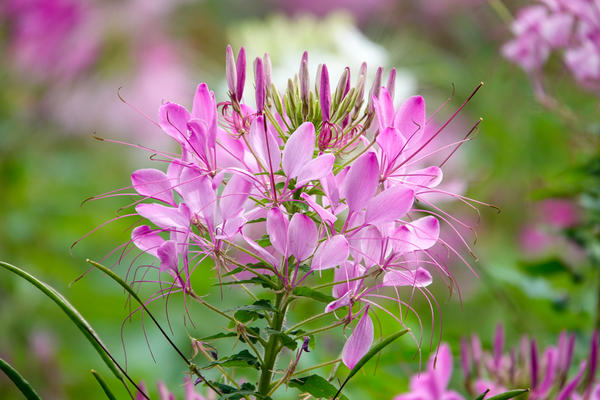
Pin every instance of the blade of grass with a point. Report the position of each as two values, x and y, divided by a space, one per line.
77 319
20 382
103 385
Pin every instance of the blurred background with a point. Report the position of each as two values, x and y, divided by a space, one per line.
72 70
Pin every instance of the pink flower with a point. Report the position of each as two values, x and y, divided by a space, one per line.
433 384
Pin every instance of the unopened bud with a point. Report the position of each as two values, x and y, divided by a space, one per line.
325 94
259 81
241 74
391 83
304 77
230 71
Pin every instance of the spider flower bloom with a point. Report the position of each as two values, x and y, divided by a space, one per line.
301 183
550 373
569 26
433 384
52 39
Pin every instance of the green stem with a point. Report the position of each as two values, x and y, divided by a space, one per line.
271 350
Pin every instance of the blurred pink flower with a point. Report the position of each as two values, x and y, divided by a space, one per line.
360 9
433 384
570 26
51 39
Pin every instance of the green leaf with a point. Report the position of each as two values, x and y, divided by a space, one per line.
302 291
482 395
256 280
103 385
370 354
253 311
286 340
316 386
20 382
253 334
509 395
71 312
242 359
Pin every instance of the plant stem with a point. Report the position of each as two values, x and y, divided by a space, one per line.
271 350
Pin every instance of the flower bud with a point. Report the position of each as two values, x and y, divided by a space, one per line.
391 83
259 81
376 88
230 72
241 74
325 94
304 77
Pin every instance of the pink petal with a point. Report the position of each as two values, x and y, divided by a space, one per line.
425 178
277 228
167 254
347 271
324 214
316 169
198 194
420 234
299 149
146 239
162 216
391 142
205 109
333 252
410 117
302 237
361 182
417 278
442 368
359 343
264 145
389 205
173 119
339 303
153 183
371 244
234 195
384 108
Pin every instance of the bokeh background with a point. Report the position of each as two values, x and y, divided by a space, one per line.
71 70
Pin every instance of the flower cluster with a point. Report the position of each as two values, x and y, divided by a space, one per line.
303 182
570 26
545 373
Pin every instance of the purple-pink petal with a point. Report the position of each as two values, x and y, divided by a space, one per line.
389 205
316 168
407 277
153 183
146 239
234 195
277 228
299 149
361 181
302 237
359 343
331 253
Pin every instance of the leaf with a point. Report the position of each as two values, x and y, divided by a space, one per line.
509 395
302 291
103 385
242 359
482 395
286 340
370 354
256 280
252 332
71 312
315 385
20 382
253 311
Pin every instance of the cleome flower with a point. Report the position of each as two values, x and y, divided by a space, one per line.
569 26
297 184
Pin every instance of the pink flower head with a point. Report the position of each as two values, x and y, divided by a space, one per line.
288 190
433 383
572 27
